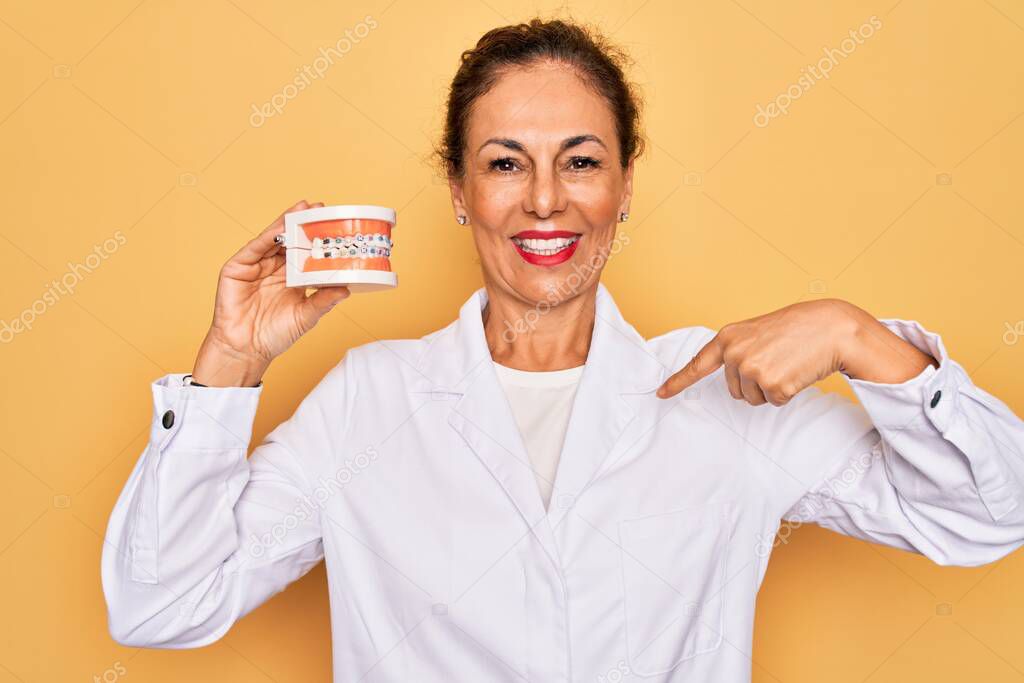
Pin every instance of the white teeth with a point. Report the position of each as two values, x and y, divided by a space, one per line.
545 247
350 246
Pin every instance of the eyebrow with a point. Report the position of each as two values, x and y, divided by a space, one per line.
566 144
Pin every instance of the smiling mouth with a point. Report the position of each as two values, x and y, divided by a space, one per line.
546 247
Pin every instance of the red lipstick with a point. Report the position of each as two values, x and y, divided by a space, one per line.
553 259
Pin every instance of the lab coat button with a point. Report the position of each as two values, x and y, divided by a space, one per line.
565 500
936 397
439 609
168 419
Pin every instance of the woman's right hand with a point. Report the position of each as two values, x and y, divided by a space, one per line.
256 317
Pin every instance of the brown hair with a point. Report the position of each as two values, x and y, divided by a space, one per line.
599 63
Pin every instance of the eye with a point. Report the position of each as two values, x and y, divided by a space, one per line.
583 163
503 165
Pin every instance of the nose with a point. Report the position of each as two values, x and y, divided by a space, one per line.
546 195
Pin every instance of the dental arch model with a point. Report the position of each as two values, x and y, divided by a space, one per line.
347 245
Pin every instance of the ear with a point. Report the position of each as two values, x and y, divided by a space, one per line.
627 188
458 198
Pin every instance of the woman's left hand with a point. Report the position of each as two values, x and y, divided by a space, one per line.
771 358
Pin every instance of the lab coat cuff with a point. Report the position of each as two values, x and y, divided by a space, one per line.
202 418
941 401
926 401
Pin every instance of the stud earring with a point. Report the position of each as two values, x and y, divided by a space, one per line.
461 220
623 217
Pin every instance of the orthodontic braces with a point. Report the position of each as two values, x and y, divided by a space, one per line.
355 255
365 246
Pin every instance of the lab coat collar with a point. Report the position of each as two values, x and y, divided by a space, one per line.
458 366
457 353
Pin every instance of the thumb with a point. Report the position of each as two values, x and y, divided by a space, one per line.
317 304
704 362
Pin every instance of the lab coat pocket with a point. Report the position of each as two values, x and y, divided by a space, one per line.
673 574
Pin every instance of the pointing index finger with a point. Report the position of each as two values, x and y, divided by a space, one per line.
704 362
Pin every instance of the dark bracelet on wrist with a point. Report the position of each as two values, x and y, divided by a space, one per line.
189 382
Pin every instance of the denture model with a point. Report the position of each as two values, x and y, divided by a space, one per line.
348 245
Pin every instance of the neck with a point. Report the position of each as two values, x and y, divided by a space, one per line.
540 337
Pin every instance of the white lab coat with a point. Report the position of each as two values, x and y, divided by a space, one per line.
403 469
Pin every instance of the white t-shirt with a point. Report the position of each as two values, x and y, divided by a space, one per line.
541 403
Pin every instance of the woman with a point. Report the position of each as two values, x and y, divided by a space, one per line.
529 493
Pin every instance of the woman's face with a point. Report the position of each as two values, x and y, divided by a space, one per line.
543 186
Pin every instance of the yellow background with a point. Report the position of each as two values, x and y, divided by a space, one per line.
894 184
